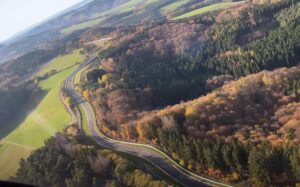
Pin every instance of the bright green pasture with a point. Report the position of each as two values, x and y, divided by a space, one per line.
63 62
45 115
10 155
48 117
97 18
173 6
205 9
82 25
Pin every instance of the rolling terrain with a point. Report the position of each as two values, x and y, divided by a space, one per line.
201 92
45 115
162 85
155 156
99 13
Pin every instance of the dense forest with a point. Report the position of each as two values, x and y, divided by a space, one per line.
264 164
219 134
222 133
176 59
220 95
259 109
256 107
210 92
180 63
65 161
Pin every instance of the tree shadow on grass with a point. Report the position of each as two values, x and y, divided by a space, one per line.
18 118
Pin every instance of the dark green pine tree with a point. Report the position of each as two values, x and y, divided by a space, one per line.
295 163
258 166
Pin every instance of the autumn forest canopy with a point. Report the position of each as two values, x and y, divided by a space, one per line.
156 77
217 92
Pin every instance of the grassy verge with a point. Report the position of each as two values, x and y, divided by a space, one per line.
84 122
205 9
43 116
78 76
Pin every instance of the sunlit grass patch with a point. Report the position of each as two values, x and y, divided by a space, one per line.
43 121
205 9
173 6
48 117
10 155
62 62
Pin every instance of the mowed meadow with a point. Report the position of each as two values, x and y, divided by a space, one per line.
45 115
171 9
206 9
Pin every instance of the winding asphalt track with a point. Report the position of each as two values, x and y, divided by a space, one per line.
161 160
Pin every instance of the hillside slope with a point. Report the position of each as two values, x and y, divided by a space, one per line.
254 108
97 13
215 89
211 91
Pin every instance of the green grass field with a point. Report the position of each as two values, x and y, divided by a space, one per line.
126 7
49 116
97 18
10 155
43 121
84 122
173 6
82 25
205 9
62 62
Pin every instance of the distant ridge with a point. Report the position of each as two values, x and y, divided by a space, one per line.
26 32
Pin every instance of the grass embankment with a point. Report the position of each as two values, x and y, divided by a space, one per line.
173 6
44 120
84 122
205 9
78 77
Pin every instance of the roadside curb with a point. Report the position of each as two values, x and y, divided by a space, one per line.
163 155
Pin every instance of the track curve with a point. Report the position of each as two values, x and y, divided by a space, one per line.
150 153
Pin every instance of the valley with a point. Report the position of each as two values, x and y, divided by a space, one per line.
155 93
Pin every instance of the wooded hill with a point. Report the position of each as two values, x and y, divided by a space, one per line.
70 161
225 107
176 65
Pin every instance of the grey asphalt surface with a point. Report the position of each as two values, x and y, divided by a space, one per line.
138 150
